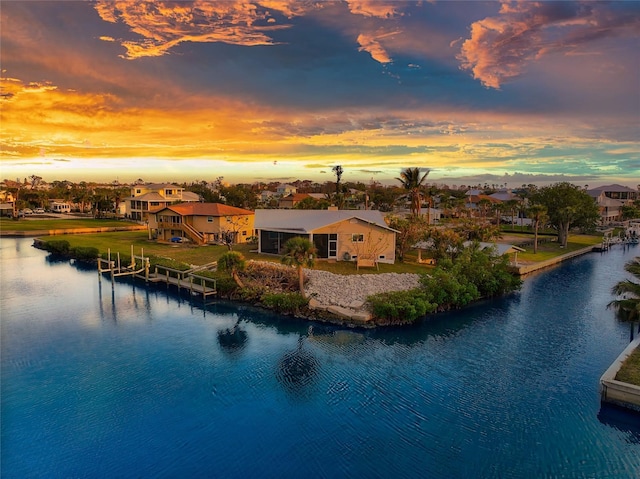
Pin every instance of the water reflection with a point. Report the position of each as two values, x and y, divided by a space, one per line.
622 420
298 370
233 340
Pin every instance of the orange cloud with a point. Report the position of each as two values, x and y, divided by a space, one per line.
163 25
374 8
501 47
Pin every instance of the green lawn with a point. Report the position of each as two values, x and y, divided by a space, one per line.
7 224
630 370
198 255
552 249
121 242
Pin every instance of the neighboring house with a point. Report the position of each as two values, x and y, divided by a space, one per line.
284 190
203 223
290 201
504 195
341 235
59 206
7 203
149 198
610 200
621 193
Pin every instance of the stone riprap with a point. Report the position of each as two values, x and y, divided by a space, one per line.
350 291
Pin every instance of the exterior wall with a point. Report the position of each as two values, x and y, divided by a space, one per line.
243 224
378 242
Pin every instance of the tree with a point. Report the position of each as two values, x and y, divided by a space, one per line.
412 181
230 228
568 206
232 262
339 197
628 307
409 231
299 252
538 214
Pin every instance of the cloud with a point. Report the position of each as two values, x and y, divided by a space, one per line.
163 25
501 47
374 8
371 45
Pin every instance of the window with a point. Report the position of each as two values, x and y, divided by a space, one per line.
357 238
244 233
209 219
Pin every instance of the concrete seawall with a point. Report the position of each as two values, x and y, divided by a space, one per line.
70 231
617 392
530 268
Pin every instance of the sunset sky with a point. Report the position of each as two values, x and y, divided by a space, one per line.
278 90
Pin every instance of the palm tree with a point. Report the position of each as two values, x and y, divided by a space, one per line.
412 181
628 307
299 252
232 262
538 214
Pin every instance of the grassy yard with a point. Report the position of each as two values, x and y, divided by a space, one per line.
35 224
198 255
552 249
630 370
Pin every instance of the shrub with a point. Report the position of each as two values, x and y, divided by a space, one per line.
169 263
57 246
401 306
284 302
85 253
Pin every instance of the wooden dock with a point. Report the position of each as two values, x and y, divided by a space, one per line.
140 268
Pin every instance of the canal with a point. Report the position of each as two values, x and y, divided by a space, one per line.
102 380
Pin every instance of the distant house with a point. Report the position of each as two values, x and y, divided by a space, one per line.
341 235
284 190
624 194
149 198
610 200
290 201
59 206
203 223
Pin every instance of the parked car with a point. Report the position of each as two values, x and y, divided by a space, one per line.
177 239
26 211
39 211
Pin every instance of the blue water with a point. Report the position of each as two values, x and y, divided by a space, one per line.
135 382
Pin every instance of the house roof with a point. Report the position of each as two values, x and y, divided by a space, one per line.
206 209
307 221
614 188
296 197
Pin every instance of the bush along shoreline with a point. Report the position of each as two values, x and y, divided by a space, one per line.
474 275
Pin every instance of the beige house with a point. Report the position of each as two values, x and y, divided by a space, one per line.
203 223
340 235
149 198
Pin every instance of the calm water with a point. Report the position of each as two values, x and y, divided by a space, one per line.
130 382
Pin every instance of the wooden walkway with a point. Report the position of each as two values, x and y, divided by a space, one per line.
195 283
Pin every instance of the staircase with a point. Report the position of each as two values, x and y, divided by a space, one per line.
193 233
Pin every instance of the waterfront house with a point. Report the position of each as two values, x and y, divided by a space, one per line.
340 235
150 198
203 223
610 199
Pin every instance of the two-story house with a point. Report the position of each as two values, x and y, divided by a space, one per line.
203 223
149 198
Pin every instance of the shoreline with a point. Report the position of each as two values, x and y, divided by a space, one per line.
341 300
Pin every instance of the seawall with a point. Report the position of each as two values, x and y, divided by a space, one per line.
69 231
524 269
617 392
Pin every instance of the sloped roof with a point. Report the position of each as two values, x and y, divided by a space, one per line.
296 196
307 221
614 188
206 209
